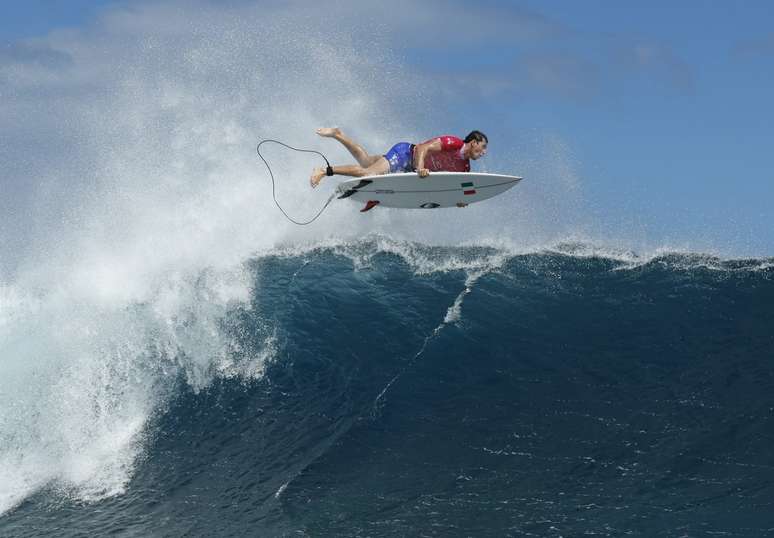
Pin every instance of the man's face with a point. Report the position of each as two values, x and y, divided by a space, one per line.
477 149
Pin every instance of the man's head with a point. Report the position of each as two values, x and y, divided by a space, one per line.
476 142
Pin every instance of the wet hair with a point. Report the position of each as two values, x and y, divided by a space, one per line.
478 136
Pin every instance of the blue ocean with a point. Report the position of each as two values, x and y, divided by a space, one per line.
377 387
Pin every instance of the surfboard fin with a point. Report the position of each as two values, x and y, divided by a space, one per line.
370 204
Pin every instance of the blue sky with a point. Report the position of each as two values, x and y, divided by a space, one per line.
666 108
36 17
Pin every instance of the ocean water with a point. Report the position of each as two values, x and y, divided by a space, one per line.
389 388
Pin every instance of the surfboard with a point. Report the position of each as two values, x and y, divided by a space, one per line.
439 189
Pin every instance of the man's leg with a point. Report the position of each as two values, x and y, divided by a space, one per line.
380 167
361 155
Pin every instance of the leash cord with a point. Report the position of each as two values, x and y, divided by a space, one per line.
273 187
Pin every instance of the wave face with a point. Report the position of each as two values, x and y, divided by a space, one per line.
387 388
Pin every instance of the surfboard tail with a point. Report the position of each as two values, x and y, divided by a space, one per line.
354 188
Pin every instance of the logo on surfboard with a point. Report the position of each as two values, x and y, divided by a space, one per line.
468 188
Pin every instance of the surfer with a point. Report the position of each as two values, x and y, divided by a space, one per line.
440 154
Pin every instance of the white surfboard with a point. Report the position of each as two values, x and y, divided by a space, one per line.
439 189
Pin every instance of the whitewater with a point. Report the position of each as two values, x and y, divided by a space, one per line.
176 358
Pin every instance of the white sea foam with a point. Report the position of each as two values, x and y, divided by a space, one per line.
81 378
454 313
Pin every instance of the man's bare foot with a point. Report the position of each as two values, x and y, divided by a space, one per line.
316 177
329 132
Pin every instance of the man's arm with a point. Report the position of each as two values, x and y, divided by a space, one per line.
421 151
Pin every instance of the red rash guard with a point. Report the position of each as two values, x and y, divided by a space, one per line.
450 158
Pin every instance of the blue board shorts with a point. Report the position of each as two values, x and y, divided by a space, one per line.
401 157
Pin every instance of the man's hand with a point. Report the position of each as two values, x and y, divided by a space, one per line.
423 172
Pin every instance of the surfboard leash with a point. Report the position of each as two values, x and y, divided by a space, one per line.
328 171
